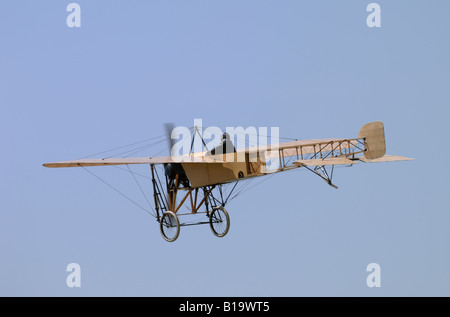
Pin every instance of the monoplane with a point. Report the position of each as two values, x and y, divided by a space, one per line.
196 180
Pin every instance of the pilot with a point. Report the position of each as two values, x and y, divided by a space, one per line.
172 170
225 146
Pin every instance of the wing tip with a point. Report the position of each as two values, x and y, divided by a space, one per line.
51 165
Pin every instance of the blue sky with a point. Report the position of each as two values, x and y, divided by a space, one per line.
312 68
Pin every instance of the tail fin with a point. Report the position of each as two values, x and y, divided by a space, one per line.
374 142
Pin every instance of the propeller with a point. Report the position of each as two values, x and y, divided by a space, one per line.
169 127
170 169
173 169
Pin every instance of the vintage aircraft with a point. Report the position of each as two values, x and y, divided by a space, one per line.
196 179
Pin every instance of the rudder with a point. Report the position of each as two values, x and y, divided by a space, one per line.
374 141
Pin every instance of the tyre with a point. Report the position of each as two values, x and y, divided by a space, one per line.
219 221
169 226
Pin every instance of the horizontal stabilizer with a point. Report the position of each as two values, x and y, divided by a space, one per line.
386 158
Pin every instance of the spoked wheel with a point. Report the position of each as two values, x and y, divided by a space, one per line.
170 226
219 221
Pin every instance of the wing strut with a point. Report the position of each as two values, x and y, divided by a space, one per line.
321 171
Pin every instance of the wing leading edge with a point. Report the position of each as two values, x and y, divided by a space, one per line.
132 160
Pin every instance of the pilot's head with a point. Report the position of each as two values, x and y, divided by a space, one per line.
225 137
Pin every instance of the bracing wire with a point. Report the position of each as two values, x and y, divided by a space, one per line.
124 146
243 190
142 191
118 191
138 174
140 146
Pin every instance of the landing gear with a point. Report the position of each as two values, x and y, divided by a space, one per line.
169 226
198 200
219 221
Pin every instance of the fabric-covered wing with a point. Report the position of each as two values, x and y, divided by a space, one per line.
132 160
